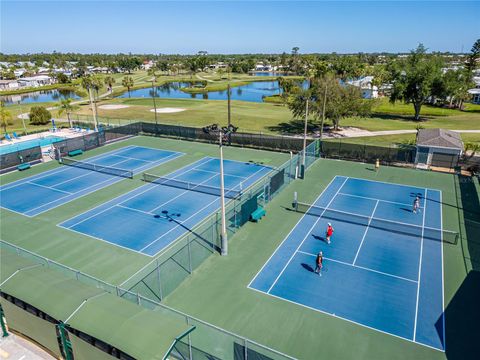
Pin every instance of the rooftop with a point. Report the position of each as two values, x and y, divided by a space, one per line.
440 138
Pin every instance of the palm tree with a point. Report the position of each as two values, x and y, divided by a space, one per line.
128 83
66 107
109 81
5 117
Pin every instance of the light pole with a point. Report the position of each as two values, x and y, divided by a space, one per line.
223 235
302 170
154 90
223 133
94 112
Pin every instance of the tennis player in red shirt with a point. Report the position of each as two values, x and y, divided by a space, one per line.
329 232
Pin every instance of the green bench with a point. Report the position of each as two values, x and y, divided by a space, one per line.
258 214
23 166
75 152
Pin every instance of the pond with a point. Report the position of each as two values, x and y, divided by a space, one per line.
254 92
38 96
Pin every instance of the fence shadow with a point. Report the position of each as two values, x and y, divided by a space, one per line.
471 205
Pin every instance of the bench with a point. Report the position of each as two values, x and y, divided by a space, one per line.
75 152
258 214
23 166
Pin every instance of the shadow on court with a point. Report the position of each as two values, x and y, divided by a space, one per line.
462 318
469 194
307 267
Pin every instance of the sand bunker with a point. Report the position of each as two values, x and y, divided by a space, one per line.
167 110
113 107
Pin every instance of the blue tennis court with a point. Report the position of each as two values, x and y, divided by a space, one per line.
383 268
137 220
36 194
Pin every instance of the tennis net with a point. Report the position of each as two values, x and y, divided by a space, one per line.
98 168
187 185
429 233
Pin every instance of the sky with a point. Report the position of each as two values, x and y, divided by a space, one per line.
186 27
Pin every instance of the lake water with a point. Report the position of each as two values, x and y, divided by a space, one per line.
254 92
38 96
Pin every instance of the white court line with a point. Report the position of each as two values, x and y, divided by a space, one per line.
48 187
290 232
132 158
388 183
386 201
345 319
157 239
365 233
148 187
361 267
162 251
306 236
444 342
419 270
75 198
57 170
103 240
213 172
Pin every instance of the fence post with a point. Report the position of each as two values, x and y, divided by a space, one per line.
189 256
160 293
190 355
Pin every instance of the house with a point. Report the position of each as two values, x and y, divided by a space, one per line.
475 92
8 85
439 148
18 72
218 65
147 64
35 81
369 91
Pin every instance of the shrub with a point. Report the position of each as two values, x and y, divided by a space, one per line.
39 115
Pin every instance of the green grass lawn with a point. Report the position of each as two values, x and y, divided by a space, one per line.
274 118
387 140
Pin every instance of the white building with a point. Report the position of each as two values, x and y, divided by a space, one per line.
35 81
475 92
439 148
6 85
369 91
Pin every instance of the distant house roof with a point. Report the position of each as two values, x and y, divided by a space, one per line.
439 138
7 81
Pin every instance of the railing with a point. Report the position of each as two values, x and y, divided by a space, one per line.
207 339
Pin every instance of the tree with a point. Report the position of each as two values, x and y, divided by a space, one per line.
341 101
127 82
62 78
109 81
5 117
473 56
66 107
413 83
39 115
129 64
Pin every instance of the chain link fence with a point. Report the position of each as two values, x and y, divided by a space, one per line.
207 341
167 271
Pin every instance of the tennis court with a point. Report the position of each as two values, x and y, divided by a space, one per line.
384 267
36 194
151 217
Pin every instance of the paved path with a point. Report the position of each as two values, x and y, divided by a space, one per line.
15 347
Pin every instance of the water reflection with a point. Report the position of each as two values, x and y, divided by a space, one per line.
253 91
38 96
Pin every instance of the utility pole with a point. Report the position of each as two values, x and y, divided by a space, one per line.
223 236
229 113
154 90
93 108
305 140
323 112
